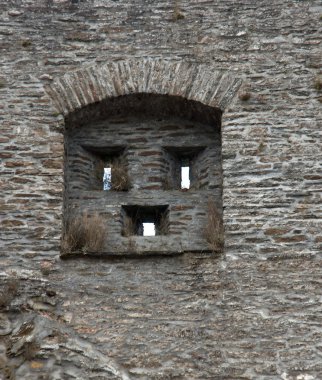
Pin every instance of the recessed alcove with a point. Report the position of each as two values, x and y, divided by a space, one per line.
154 136
87 163
135 218
183 161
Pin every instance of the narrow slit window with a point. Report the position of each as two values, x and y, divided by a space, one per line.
107 179
148 229
185 177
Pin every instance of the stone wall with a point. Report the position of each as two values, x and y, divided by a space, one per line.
252 313
270 151
147 136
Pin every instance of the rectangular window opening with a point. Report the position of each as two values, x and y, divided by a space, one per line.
148 229
107 178
185 172
185 177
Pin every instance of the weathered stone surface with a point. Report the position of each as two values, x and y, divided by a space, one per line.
254 312
193 317
103 136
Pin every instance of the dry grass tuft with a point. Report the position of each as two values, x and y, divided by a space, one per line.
177 15
129 227
84 233
261 147
26 43
120 180
214 231
318 83
120 177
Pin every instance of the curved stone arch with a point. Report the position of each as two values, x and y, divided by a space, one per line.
199 82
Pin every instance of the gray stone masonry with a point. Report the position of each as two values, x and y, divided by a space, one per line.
82 52
151 134
253 312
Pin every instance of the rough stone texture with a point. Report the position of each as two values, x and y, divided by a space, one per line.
151 135
270 142
169 318
188 80
184 317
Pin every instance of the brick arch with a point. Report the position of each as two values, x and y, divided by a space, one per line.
193 81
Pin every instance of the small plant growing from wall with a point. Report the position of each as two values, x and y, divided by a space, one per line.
177 14
112 174
84 233
129 226
26 43
318 83
120 179
261 147
214 231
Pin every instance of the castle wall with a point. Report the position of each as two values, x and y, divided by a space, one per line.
270 151
252 312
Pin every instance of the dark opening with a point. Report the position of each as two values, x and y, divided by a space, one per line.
136 220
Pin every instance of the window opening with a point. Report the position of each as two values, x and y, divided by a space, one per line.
184 167
145 220
107 179
185 177
148 229
105 168
185 173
